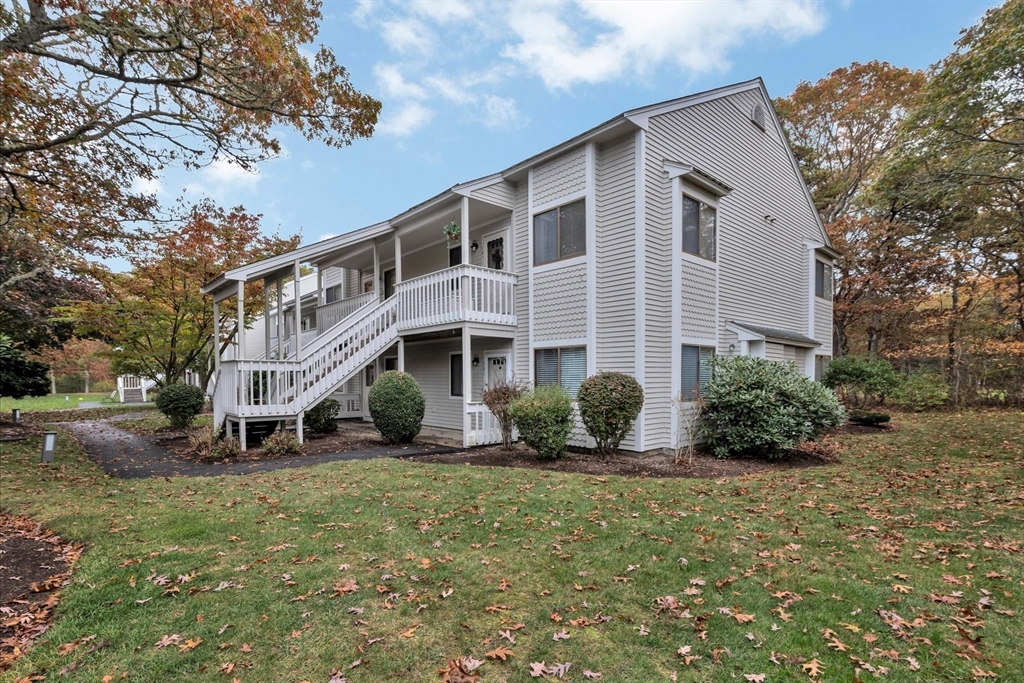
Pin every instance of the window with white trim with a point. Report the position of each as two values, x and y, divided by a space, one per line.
822 280
560 233
696 370
566 366
700 221
455 375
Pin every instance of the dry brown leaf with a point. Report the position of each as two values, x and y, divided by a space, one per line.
500 652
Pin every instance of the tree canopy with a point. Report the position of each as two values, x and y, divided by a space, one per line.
154 315
96 94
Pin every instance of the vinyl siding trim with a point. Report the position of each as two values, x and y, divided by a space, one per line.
591 256
640 263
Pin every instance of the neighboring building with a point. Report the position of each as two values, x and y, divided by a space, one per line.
645 245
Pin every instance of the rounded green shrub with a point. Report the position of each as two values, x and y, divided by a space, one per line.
862 381
754 406
280 444
544 418
323 418
397 406
180 403
609 403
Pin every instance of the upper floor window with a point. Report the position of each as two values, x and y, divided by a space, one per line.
823 280
560 233
566 366
699 226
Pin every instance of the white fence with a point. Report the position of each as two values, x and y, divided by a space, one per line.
133 383
484 428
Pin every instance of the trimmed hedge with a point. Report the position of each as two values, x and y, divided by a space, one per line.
755 406
609 403
180 403
397 406
323 417
860 417
544 418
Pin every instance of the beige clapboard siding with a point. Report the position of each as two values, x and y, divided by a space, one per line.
615 234
521 266
352 287
658 301
428 364
560 177
560 303
775 352
823 326
501 193
697 314
333 276
763 266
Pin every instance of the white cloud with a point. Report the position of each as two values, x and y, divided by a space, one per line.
502 113
364 10
393 83
450 90
225 173
406 120
445 11
147 186
326 236
407 36
636 37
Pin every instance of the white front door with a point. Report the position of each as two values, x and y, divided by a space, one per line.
496 367
496 250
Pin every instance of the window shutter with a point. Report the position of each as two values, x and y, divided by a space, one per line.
546 367
573 369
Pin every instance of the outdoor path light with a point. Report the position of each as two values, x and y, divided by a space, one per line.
16 415
49 444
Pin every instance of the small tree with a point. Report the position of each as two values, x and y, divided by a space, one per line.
609 403
498 397
180 403
397 406
544 418
688 414
862 381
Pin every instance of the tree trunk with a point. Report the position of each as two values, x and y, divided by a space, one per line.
87 380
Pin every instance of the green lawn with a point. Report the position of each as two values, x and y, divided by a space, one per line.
905 559
50 402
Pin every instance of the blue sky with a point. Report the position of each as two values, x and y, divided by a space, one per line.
471 87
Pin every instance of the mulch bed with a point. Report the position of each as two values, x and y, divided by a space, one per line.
341 441
649 466
35 564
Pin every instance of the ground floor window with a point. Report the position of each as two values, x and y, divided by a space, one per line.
565 366
696 370
820 366
455 375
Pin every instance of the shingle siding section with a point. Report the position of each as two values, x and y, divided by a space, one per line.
562 176
697 314
560 303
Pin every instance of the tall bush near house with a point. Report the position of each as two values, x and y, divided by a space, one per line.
180 403
397 406
498 397
544 418
323 418
759 407
862 381
609 403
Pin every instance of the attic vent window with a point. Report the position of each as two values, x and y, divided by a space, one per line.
757 116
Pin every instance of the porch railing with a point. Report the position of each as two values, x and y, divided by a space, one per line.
483 426
329 315
440 298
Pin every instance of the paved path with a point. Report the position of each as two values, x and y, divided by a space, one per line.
129 456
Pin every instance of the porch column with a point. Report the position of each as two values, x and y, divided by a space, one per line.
298 309
376 270
216 335
467 382
266 318
464 248
320 286
401 354
280 318
240 337
398 259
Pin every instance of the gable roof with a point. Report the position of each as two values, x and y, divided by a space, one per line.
771 334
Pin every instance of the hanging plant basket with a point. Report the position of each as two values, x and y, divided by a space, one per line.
452 231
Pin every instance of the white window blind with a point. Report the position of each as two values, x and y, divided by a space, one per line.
565 366
696 363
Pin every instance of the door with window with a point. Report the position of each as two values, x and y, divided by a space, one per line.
389 283
494 250
495 368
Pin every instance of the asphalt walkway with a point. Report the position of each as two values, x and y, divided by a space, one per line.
129 456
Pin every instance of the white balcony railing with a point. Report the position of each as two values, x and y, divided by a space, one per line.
329 315
484 428
438 298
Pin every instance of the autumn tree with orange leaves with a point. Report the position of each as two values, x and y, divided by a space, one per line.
155 316
97 94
